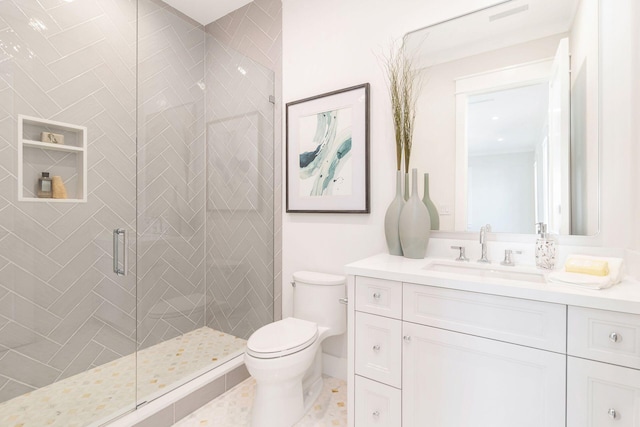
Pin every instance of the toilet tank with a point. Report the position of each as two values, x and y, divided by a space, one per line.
316 298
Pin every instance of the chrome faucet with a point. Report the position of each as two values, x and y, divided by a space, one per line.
483 241
461 256
508 257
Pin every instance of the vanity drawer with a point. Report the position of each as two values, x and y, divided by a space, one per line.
531 323
378 348
600 394
376 404
378 296
607 336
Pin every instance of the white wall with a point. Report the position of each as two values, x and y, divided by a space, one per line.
635 112
333 44
617 140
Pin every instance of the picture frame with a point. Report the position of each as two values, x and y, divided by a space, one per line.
327 152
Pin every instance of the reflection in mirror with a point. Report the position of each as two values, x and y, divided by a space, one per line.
507 119
502 142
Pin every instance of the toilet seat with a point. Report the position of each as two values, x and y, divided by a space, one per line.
281 338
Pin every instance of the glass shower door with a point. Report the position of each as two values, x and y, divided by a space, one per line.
205 200
67 108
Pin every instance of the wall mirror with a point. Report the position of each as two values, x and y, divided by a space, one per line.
507 117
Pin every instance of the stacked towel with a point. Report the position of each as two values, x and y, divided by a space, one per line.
592 272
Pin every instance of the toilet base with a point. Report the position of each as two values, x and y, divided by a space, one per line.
312 395
277 404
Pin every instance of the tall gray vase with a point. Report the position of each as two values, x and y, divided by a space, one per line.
392 218
415 225
431 207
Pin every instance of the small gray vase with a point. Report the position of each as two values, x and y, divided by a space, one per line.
415 224
431 207
392 218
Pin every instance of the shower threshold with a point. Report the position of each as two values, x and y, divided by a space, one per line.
104 392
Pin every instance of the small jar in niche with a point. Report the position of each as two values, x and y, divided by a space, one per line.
44 186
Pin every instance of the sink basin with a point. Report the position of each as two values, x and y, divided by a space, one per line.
487 271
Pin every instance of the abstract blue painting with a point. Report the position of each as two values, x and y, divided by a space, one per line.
325 158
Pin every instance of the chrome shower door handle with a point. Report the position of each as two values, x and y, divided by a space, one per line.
116 251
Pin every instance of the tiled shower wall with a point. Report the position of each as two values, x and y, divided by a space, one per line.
62 310
171 173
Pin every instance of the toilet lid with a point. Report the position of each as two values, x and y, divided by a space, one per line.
281 338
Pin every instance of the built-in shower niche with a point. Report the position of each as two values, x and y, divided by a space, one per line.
66 158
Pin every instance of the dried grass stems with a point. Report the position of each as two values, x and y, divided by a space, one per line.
403 90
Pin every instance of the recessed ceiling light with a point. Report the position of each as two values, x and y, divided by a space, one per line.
513 11
495 118
500 139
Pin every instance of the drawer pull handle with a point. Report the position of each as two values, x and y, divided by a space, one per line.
376 414
613 414
376 347
376 295
407 338
614 337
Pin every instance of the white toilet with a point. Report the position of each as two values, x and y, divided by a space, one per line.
285 357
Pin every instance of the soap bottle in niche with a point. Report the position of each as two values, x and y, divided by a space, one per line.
545 248
44 186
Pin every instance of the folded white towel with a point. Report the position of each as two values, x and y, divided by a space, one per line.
616 273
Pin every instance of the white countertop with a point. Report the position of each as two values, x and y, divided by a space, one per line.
623 297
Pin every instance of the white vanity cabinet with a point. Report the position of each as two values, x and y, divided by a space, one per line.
429 350
603 370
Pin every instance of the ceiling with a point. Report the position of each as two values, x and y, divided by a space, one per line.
206 11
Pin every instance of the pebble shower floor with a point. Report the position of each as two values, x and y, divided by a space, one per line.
101 392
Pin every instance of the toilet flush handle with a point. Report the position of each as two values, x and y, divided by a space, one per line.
343 300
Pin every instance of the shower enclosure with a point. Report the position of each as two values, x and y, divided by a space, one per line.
158 264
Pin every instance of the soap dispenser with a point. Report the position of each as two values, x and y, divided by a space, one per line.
545 248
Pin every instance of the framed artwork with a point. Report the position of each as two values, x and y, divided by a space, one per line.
327 152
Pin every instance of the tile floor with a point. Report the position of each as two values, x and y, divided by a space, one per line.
109 389
233 408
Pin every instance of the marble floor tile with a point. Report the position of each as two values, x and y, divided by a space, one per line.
233 409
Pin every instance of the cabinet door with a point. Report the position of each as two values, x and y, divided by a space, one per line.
600 394
457 380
